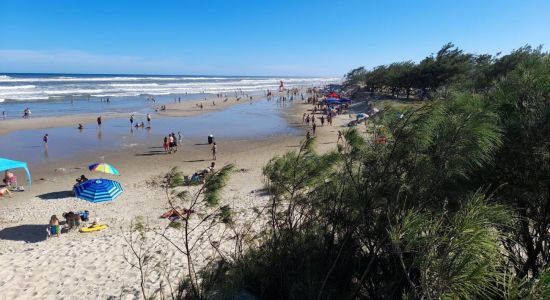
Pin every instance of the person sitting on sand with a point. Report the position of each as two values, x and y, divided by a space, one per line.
72 219
10 180
81 179
80 126
54 226
5 192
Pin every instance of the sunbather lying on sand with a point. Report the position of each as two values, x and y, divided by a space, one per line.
5 192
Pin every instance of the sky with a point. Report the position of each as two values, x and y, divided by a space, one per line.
299 38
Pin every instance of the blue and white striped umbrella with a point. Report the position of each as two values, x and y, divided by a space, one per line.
98 190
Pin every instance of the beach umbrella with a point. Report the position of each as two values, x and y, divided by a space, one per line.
98 190
103 167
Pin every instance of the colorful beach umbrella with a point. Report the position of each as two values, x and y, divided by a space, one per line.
103 167
98 190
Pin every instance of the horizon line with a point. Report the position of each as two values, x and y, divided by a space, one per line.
144 74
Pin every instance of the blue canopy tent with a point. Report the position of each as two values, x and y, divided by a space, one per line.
8 164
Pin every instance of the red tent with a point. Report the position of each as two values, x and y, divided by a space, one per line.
333 95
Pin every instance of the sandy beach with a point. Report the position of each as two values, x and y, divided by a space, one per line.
92 265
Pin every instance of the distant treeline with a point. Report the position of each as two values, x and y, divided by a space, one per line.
449 69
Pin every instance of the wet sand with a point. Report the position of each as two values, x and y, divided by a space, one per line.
185 108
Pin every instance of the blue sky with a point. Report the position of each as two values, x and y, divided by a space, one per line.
254 37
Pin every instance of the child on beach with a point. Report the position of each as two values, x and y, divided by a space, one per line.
340 137
45 140
165 145
54 226
214 149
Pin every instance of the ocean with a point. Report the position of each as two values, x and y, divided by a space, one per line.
60 94
69 94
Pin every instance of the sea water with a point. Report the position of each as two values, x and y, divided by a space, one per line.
257 119
68 94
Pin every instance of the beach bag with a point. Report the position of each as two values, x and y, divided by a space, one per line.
84 215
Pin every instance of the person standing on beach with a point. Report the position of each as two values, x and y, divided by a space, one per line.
148 119
165 145
170 143
131 120
99 121
214 150
314 127
322 120
45 140
174 142
340 137
303 118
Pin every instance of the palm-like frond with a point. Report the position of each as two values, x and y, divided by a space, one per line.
215 183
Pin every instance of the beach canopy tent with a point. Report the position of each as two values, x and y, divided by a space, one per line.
345 100
332 101
333 95
8 164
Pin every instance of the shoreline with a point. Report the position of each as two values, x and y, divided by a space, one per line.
186 108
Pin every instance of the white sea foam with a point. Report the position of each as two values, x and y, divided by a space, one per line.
128 86
16 87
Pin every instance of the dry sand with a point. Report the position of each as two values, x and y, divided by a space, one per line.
92 265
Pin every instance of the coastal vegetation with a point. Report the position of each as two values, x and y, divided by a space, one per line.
454 204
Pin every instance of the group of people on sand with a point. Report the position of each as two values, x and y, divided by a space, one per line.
171 142
200 176
326 111
72 221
